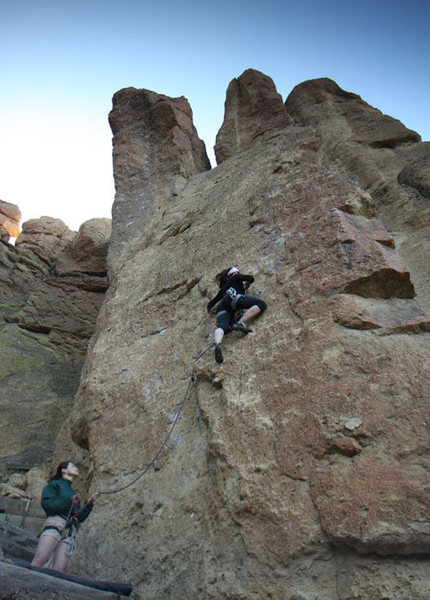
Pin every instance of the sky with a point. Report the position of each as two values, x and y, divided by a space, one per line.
61 62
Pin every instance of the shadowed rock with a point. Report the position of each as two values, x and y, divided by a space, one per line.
52 285
417 175
20 583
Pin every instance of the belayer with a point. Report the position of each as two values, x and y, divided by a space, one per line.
63 510
231 298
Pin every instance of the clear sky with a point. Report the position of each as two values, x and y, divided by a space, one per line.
61 62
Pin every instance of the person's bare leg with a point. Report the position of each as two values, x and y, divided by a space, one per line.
44 550
218 337
61 560
250 314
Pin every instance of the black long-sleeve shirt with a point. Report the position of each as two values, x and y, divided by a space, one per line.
235 281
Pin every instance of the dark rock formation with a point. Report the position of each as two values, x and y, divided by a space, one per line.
52 284
417 175
22 584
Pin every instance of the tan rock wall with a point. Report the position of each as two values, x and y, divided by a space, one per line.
298 468
388 161
253 111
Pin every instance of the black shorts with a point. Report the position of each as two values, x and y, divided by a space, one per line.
225 312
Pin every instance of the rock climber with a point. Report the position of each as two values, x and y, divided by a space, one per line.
63 510
231 298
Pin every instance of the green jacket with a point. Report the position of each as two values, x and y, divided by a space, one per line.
56 500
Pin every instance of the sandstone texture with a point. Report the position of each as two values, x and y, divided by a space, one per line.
52 284
299 468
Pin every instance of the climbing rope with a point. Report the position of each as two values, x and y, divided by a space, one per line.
161 448
69 521
67 534
192 379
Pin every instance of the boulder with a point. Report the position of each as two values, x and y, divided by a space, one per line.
90 246
11 211
87 251
46 237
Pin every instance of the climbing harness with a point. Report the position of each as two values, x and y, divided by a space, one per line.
72 528
67 535
234 297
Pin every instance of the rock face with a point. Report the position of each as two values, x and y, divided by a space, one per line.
52 284
146 126
323 104
253 110
300 467
388 160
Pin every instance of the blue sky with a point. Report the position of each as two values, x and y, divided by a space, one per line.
61 62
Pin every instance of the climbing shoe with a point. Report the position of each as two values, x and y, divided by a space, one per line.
218 353
241 327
